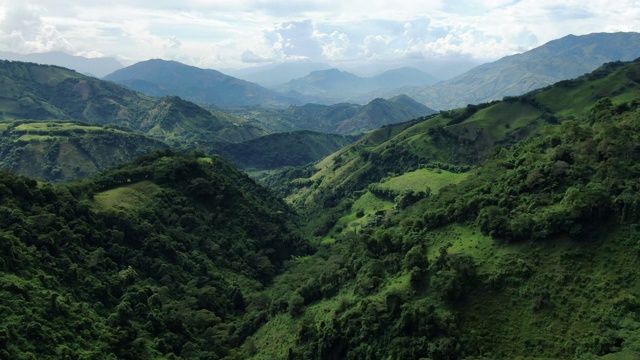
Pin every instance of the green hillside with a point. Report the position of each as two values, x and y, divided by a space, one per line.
160 258
283 149
501 230
39 92
523 245
63 151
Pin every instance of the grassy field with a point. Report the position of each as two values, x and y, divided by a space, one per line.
52 127
30 137
127 197
504 117
422 179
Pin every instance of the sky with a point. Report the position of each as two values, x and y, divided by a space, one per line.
243 33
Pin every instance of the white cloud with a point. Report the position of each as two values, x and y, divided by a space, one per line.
219 33
251 57
22 30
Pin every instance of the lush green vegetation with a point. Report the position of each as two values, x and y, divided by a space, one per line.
64 150
160 258
499 230
283 149
531 254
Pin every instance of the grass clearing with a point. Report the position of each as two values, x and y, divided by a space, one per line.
422 179
503 118
127 197
273 339
53 127
30 137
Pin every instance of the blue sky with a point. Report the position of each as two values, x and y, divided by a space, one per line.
241 33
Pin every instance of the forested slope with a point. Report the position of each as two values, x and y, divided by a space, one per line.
531 253
159 258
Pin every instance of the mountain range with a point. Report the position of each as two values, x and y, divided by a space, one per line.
163 78
334 86
557 60
474 232
71 125
343 118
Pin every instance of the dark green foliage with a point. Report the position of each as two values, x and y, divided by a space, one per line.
168 279
553 284
340 118
283 149
575 176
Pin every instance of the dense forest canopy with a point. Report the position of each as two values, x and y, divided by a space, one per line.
499 230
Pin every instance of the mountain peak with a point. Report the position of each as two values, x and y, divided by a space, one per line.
158 77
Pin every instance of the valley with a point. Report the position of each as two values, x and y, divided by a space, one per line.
500 228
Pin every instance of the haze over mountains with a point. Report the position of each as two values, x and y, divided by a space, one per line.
333 86
97 67
560 59
306 82
161 78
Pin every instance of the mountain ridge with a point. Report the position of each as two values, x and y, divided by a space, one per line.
557 60
157 77
335 86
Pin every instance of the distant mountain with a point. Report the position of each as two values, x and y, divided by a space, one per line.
333 86
41 92
47 94
163 78
405 76
343 118
277 74
97 67
561 59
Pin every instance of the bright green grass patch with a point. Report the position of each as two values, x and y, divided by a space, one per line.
363 211
30 137
503 118
52 127
273 339
205 160
127 197
4 127
577 101
422 179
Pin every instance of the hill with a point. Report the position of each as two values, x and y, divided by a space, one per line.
557 60
500 230
334 86
204 86
105 266
64 151
340 118
283 149
50 93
